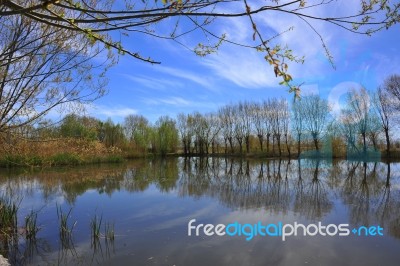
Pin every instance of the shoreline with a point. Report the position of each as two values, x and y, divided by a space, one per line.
67 159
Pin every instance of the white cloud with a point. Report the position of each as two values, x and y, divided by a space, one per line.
248 69
188 75
181 102
245 68
153 83
108 111
178 101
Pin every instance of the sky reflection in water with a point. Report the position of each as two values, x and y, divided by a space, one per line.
151 202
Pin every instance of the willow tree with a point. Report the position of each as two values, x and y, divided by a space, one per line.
315 111
97 19
386 102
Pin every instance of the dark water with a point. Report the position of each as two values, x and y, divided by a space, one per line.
151 203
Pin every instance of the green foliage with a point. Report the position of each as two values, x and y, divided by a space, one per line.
8 215
113 134
165 135
10 160
114 159
78 127
65 159
138 132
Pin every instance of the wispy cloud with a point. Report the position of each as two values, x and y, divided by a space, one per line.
108 111
176 101
245 68
154 83
248 69
188 75
180 102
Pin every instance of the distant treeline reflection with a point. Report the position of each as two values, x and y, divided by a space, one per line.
309 188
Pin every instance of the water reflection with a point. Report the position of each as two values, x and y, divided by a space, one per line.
310 189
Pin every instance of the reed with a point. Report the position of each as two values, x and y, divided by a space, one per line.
8 215
65 229
109 231
95 225
31 227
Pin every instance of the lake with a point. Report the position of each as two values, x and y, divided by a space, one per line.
150 203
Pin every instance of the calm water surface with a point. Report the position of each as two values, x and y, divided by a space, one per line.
151 202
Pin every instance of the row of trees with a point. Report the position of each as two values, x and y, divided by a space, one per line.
274 126
135 134
365 121
272 122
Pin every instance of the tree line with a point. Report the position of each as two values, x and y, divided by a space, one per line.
274 127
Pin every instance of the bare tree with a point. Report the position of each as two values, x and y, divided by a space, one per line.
245 114
374 130
358 105
214 129
258 116
385 109
227 120
239 126
43 67
391 85
298 122
268 120
285 121
316 112
278 115
348 130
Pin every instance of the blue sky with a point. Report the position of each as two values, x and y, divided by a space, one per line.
184 82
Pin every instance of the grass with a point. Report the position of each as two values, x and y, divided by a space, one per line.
59 159
109 231
10 160
65 159
95 225
31 227
65 231
8 215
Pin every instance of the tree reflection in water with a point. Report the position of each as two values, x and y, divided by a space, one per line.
308 188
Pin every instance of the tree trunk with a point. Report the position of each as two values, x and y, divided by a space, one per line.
315 138
260 140
240 141
287 144
231 144
279 145
387 142
247 140
364 143
298 145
